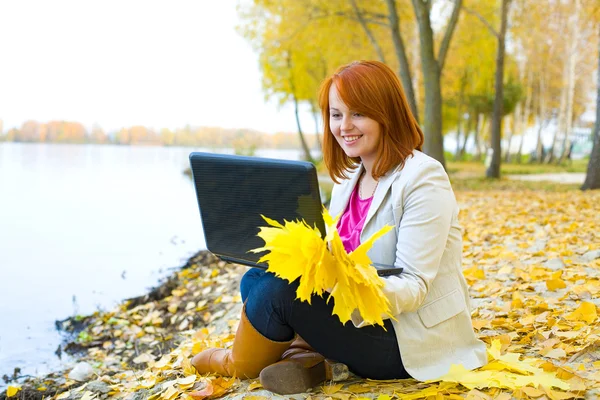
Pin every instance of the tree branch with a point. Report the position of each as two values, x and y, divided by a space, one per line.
375 18
367 20
448 35
483 20
375 15
361 20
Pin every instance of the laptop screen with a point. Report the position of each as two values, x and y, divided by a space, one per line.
233 192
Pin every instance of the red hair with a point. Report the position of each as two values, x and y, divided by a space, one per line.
372 89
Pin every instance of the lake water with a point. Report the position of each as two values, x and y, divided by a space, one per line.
83 227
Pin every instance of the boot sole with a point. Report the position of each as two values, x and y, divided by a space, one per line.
292 377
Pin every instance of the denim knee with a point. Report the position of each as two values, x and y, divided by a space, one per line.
249 280
269 307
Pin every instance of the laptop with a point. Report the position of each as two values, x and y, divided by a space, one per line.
233 191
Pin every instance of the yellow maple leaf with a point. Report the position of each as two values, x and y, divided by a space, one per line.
479 324
295 250
473 274
585 312
198 347
532 392
187 367
292 245
222 385
469 379
483 378
510 361
358 388
148 383
429 392
187 382
517 300
544 378
555 282
254 385
557 353
12 390
163 363
331 389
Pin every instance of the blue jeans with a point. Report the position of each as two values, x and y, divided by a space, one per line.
272 308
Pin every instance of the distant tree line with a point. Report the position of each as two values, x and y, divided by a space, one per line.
211 137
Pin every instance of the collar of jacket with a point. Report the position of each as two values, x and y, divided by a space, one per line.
347 186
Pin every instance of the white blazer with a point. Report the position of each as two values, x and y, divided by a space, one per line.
430 299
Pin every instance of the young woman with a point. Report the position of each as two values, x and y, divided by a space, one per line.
371 147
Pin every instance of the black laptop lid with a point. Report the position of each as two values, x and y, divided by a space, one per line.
233 191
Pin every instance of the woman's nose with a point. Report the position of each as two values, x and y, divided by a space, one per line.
346 124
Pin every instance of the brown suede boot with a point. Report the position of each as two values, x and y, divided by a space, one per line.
251 352
301 369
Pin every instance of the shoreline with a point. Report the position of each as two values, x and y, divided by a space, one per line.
124 332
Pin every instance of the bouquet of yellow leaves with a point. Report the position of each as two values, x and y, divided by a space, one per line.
297 251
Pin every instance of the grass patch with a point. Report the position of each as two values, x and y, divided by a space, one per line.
472 169
504 184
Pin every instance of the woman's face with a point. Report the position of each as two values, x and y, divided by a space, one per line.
357 134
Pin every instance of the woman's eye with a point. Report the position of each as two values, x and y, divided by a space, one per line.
358 115
334 115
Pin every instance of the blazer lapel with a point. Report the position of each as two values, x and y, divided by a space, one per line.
345 191
385 182
343 197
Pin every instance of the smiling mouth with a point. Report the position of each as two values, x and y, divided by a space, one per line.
350 139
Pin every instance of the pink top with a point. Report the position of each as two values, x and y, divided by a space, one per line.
351 223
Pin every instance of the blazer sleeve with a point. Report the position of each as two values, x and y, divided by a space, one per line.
427 205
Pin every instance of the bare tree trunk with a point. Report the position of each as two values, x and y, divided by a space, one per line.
513 120
539 150
400 50
434 141
560 23
459 112
432 68
592 178
478 126
486 137
562 116
523 129
417 76
493 170
307 155
572 61
316 115
457 151
519 155
524 124
541 156
363 24
463 149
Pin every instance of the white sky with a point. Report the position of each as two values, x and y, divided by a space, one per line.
129 62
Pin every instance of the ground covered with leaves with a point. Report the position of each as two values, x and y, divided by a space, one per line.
532 259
